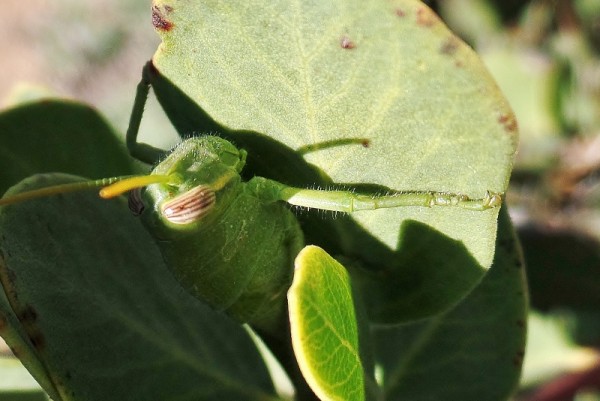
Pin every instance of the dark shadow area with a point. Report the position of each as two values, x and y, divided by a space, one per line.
429 273
562 273
562 268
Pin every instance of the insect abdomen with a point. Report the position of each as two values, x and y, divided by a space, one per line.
242 262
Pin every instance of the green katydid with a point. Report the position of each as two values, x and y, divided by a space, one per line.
195 199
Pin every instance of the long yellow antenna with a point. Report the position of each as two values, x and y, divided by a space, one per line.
128 184
114 186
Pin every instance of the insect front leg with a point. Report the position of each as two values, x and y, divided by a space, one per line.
141 151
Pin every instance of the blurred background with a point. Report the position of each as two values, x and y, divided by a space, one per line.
91 51
545 56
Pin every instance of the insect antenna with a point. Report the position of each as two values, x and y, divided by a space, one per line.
129 183
111 187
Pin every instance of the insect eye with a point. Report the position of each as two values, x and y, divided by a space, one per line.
189 206
134 201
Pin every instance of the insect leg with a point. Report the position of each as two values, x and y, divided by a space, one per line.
348 201
364 142
141 151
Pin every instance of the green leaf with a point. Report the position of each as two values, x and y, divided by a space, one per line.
58 135
16 337
474 352
105 317
323 327
16 384
303 73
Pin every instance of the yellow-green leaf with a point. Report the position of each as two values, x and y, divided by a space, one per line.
323 325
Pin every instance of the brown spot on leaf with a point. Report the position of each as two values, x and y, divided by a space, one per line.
159 21
506 244
366 143
426 17
28 315
11 275
509 122
518 358
4 254
400 13
450 46
37 340
8 279
346 43
518 263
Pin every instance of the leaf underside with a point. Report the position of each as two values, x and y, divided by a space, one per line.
304 73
